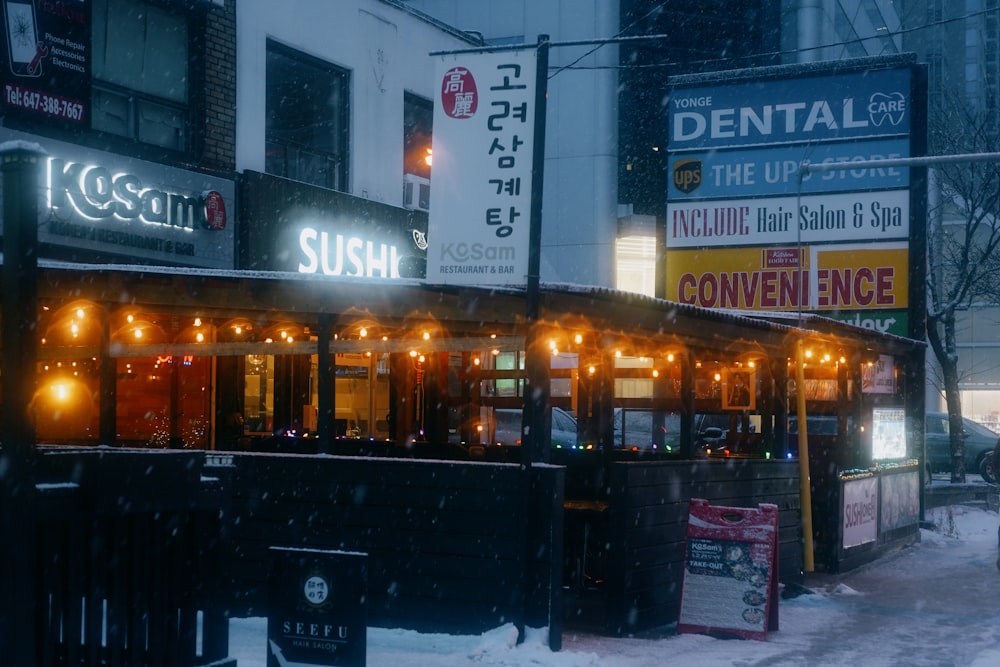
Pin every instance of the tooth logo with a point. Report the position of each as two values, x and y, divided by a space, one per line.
886 108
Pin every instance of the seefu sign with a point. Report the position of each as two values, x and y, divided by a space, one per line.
316 602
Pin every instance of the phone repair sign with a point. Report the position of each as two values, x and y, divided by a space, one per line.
46 65
730 585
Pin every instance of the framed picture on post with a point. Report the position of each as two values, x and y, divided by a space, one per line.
738 391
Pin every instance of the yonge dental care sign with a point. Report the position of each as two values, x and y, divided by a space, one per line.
744 231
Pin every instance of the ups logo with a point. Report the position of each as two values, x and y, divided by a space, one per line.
687 175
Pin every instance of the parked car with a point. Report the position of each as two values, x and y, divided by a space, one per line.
711 436
507 428
711 442
979 440
989 469
634 430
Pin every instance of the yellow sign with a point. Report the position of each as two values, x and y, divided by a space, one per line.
840 277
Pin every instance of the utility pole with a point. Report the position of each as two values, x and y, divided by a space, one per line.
19 162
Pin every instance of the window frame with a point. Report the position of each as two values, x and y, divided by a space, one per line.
340 77
136 99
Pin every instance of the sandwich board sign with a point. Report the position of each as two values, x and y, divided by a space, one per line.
730 582
317 608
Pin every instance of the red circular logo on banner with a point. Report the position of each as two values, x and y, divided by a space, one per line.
215 210
459 97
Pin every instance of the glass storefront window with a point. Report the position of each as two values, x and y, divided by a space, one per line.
258 393
633 377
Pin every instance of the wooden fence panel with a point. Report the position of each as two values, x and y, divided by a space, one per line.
647 524
446 541
128 551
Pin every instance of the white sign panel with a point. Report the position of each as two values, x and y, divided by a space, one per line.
856 216
879 377
860 511
480 211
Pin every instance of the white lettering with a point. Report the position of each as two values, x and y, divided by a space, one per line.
96 193
349 256
770 119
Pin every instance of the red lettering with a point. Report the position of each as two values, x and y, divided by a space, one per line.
728 290
823 287
750 283
792 285
883 286
768 289
708 290
863 291
686 289
840 288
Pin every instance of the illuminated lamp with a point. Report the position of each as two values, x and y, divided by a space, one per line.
76 323
63 407
139 331
238 329
283 331
199 332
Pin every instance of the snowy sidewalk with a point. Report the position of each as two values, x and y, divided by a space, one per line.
933 604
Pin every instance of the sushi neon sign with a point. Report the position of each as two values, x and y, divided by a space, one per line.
340 255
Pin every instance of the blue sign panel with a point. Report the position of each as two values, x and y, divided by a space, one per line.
853 105
774 170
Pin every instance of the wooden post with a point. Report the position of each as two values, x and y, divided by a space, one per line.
20 165
325 385
804 490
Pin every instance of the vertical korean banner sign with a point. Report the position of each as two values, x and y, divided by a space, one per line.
480 212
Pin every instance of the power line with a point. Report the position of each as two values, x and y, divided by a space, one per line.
619 39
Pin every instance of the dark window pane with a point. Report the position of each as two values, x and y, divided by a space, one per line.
306 126
140 72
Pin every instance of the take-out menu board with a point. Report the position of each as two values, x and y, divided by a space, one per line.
730 581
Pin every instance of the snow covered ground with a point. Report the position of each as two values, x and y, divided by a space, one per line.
936 603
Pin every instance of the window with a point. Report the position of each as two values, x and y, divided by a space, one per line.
140 72
307 118
418 114
635 259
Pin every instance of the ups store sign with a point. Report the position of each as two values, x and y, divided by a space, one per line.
98 206
291 226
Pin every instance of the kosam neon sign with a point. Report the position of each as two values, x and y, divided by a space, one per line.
339 255
96 193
